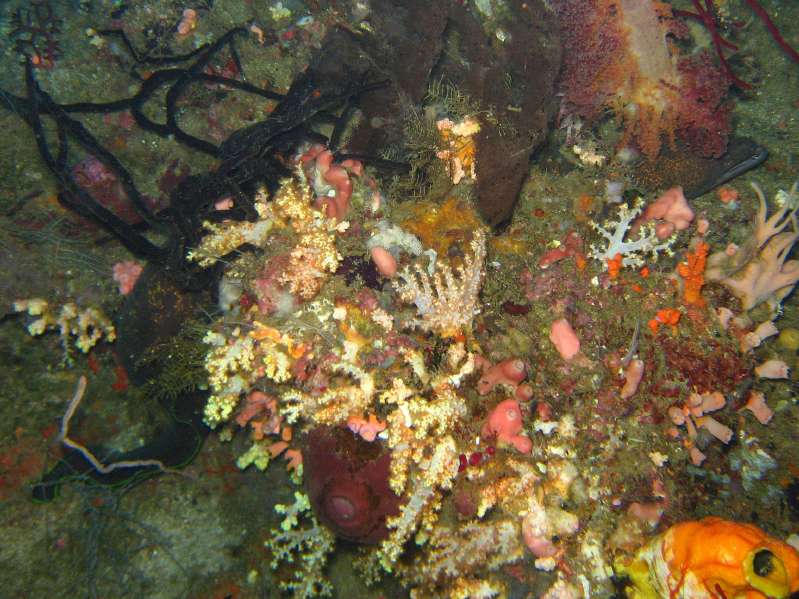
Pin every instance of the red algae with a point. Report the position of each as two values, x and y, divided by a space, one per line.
715 367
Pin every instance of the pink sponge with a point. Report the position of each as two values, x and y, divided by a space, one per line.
505 423
670 211
508 372
564 339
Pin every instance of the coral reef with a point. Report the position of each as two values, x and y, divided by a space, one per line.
386 488
391 386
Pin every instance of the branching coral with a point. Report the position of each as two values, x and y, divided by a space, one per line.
228 236
238 360
314 256
335 404
467 548
631 252
760 271
436 474
447 301
87 326
306 548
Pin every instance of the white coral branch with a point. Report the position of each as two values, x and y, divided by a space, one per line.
632 251
447 301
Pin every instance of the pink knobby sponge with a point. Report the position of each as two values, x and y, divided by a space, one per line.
672 212
339 178
326 176
564 338
385 263
509 372
505 423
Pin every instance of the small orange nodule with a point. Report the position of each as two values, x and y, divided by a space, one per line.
728 194
298 351
614 266
458 336
692 272
265 332
669 316
583 207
